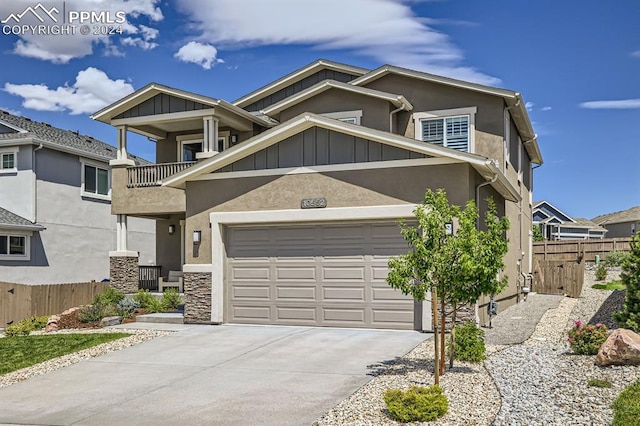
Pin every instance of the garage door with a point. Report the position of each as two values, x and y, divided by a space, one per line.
319 275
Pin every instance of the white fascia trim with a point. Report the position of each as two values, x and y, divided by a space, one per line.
537 206
125 253
330 168
396 100
23 229
444 113
11 126
219 220
295 76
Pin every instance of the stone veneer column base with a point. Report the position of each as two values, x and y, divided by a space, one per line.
123 273
197 297
464 313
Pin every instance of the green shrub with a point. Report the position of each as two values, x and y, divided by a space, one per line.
93 313
171 299
597 383
469 345
626 407
615 258
110 296
587 339
601 272
144 298
26 326
629 316
418 404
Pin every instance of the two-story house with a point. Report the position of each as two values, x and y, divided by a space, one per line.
55 205
282 207
556 225
625 223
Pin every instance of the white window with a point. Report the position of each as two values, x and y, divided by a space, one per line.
8 160
352 117
453 128
190 145
14 247
96 181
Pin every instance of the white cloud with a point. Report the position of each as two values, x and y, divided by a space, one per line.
62 48
546 108
529 106
636 53
92 90
10 111
204 55
385 30
146 41
619 104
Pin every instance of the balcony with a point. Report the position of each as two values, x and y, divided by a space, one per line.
152 175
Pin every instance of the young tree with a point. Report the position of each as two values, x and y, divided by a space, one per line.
537 233
629 317
457 268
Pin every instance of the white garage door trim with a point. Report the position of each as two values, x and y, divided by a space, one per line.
218 220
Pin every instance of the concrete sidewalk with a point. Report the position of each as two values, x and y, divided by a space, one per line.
203 375
518 322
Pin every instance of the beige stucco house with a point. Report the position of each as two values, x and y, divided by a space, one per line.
282 207
620 224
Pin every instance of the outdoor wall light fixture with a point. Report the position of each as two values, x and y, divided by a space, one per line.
196 237
172 229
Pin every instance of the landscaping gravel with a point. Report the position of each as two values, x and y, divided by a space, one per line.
537 382
137 336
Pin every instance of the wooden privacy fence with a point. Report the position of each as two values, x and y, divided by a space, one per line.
558 277
19 301
579 250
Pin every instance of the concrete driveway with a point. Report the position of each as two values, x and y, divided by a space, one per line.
222 375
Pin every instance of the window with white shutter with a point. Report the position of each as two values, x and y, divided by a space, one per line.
449 128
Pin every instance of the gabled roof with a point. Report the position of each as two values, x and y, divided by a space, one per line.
397 100
59 139
581 222
296 76
629 215
486 167
537 206
9 220
107 113
511 98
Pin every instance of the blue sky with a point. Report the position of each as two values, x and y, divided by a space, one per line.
577 64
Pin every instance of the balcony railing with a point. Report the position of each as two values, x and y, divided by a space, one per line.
152 175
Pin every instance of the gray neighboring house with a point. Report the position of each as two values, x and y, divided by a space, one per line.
620 224
55 205
556 225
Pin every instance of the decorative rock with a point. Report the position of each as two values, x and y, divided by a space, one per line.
107 321
621 348
52 324
69 311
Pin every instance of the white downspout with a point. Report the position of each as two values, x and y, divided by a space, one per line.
488 182
35 184
392 113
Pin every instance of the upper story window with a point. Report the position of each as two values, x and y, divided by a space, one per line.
452 128
352 117
8 160
190 145
96 182
14 247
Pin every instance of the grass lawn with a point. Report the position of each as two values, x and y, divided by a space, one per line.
23 351
611 285
626 407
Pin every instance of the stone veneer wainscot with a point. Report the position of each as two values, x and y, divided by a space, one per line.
123 272
197 298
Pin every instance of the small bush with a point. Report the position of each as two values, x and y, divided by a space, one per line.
93 313
587 339
615 258
469 343
154 305
626 407
601 272
144 299
126 307
418 404
26 326
110 296
171 299
596 383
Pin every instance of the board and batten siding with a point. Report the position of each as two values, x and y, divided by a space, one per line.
162 104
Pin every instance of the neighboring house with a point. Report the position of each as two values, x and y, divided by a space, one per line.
282 207
55 210
556 225
620 224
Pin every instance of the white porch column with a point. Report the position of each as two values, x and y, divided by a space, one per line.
122 143
210 141
121 233
182 244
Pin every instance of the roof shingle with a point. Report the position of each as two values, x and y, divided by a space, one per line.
8 218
